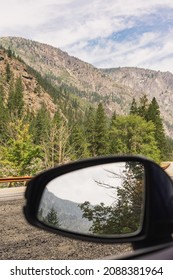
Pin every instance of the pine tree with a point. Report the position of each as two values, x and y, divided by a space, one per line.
51 218
8 73
40 125
143 106
19 97
133 135
57 119
3 115
110 134
133 107
79 143
15 98
169 149
101 132
153 114
9 53
89 124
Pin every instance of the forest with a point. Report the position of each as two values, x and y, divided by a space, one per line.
34 142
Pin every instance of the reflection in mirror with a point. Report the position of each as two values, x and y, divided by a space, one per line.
105 199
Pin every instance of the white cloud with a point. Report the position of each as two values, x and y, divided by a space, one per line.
72 24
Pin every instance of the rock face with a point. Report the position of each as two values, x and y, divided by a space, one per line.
115 87
153 84
34 94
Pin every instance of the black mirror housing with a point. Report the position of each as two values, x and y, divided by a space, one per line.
157 219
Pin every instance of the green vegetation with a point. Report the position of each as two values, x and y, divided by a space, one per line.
125 213
32 142
51 218
151 113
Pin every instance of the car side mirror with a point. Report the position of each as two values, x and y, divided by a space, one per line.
108 199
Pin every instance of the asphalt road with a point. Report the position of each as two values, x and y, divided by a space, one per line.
7 194
21 241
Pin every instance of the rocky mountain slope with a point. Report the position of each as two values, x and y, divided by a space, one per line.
69 214
152 83
115 87
34 94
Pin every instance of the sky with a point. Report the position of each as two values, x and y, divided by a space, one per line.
105 33
87 184
81 185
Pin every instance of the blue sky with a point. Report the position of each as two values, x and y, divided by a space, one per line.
104 33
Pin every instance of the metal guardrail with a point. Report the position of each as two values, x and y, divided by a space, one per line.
164 165
15 179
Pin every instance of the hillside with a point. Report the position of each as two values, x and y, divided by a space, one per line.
114 87
152 83
90 83
68 212
44 123
34 94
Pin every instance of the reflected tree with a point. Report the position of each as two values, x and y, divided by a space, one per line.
50 219
124 215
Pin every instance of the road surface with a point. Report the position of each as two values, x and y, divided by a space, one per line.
21 241
7 194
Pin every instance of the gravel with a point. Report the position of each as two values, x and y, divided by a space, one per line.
21 241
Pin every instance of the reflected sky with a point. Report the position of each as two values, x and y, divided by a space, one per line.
82 185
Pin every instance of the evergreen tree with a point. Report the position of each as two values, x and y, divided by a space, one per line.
133 107
11 98
169 148
19 97
51 218
153 114
143 106
3 116
9 53
101 131
15 98
40 125
57 119
110 133
133 135
8 73
79 143
89 124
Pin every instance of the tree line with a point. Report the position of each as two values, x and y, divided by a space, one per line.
32 142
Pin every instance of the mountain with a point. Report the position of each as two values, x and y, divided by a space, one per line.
114 87
152 83
34 94
68 212
90 83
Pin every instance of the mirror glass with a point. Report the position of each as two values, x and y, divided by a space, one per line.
106 199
